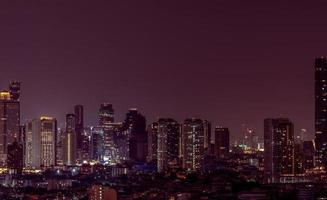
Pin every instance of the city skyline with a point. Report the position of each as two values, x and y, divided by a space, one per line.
163 100
250 64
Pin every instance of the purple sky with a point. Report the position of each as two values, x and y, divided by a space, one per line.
232 63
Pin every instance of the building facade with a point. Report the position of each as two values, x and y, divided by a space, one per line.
167 144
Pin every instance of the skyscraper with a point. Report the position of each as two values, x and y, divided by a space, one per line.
48 135
70 141
60 146
79 129
221 142
279 150
192 146
10 119
96 143
167 144
41 142
33 144
135 124
106 118
321 111
152 141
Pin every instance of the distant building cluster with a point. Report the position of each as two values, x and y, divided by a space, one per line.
166 143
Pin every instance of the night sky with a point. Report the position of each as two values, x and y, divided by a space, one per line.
231 63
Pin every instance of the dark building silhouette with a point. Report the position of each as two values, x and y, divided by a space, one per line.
79 124
135 123
168 144
79 130
321 111
279 150
221 142
207 136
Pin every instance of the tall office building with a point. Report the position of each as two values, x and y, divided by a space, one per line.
111 149
79 130
279 158
48 141
70 141
96 143
152 141
321 111
40 143
10 119
121 138
106 118
33 144
221 142
168 144
60 146
135 124
192 146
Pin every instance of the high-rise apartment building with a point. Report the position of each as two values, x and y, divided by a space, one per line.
192 145
79 130
279 148
152 141
167 144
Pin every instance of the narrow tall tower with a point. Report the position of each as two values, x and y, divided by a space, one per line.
321 111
